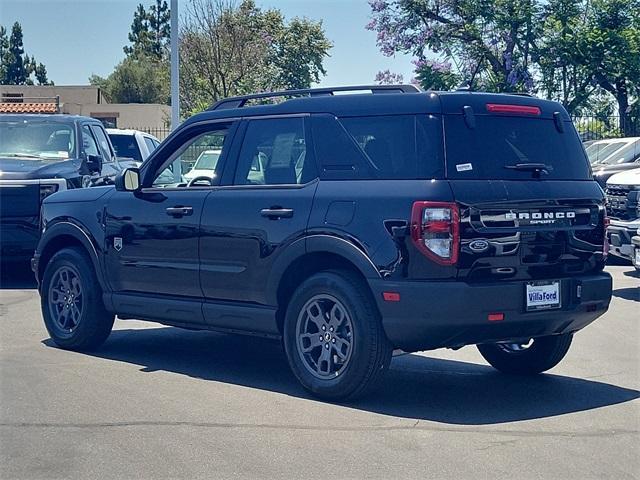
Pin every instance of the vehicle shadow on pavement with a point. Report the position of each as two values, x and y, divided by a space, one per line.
629 293
16 275
416 387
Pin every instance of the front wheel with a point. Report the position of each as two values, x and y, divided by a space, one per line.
71 301
333 336
536 356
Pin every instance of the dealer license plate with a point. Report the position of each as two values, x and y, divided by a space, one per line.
542 295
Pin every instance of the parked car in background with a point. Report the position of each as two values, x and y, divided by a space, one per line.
334 223
205 165
132 144
40 155
602 149
623 208
623 159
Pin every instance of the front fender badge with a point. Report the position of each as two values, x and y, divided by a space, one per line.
117 243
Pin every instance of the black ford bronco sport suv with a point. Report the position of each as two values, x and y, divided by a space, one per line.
348 226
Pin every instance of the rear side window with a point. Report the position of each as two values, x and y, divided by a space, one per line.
379 147
497 144
274 152
126 146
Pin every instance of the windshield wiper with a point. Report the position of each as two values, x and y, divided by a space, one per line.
537 168
20 155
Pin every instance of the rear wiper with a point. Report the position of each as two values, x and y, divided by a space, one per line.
531 167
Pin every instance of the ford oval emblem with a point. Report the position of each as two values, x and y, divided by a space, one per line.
479 246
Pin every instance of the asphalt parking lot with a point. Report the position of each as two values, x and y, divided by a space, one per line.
158 402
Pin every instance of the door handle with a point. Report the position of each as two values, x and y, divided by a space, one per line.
275 213
179 211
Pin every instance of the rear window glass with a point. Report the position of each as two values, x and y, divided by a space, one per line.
379 147
629 153
499 143
126 146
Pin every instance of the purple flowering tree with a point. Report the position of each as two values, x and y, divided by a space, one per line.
386 77
485 44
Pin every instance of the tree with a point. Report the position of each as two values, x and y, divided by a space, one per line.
231 49
488 43
387 77
577 52
17 66
612 40
136 80
150 31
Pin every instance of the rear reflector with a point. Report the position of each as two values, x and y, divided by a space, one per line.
391 296
513 109
495 317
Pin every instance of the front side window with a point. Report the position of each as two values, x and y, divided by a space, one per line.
89 142
38 140
274 152
103 143
186 157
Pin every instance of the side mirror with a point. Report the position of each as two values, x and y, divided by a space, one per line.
128 181
94 163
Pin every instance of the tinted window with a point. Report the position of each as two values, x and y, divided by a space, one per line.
274 152
500 142
379 147
103 142
125 146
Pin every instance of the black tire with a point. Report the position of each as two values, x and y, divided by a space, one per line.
369 353
90 324
543 354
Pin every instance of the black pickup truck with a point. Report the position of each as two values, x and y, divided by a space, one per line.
40 155
347 226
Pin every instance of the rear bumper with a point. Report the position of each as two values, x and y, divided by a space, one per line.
619 236
452 314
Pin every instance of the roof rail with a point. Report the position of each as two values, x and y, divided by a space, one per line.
239 102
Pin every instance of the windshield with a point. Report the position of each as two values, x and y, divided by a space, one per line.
600 151
626 154
125 146
509 148
38 140
207 160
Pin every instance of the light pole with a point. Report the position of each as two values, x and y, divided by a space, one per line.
175 72
175 83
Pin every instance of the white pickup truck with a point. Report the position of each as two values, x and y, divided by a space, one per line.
132 144
623 208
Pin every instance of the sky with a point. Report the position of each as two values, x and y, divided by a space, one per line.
78 38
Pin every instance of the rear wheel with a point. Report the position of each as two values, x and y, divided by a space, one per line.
535 356
333 336
71 301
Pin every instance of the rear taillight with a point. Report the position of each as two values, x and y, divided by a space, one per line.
435 230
